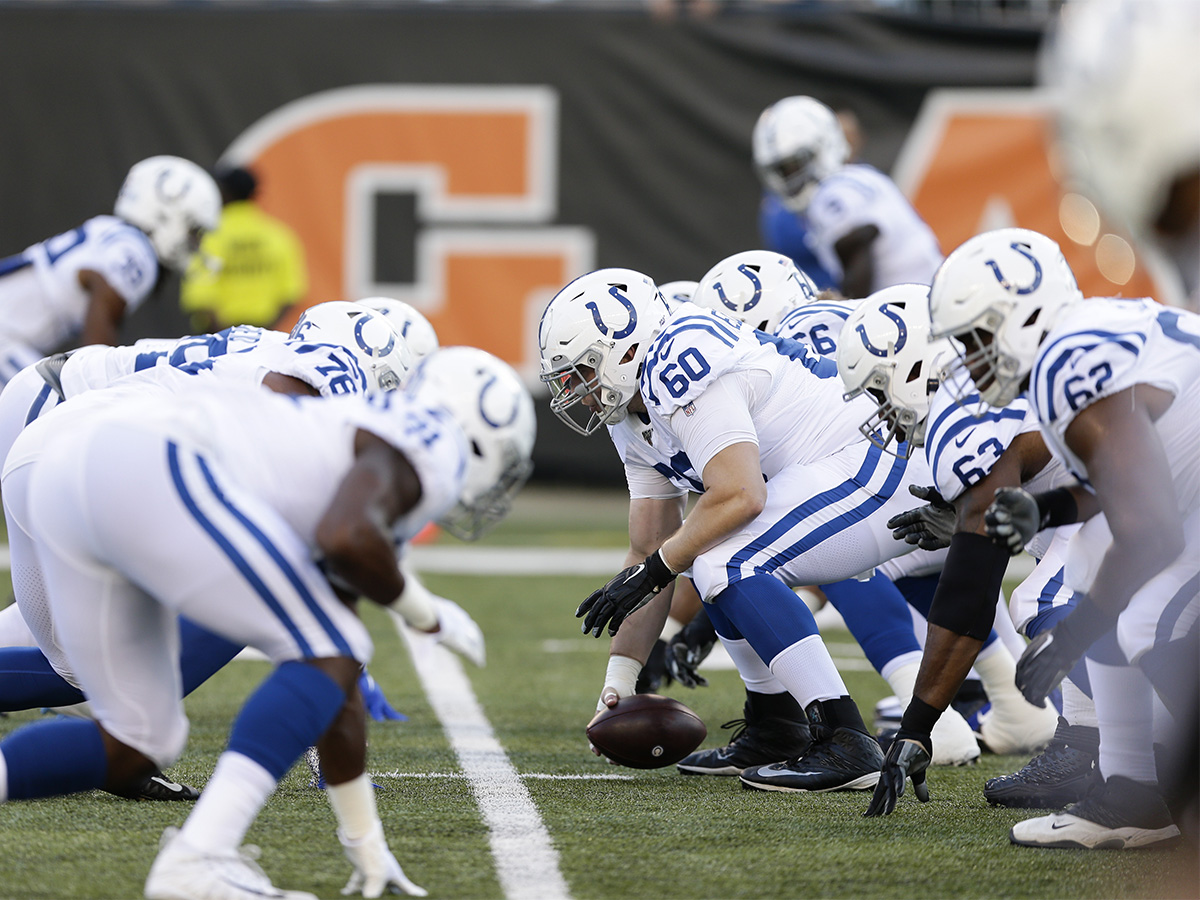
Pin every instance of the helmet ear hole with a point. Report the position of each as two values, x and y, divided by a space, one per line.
914 373
1033 318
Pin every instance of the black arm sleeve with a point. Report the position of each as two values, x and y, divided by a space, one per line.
965 599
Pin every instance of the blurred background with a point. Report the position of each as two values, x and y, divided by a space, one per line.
471 158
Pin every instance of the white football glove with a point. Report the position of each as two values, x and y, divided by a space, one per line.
375 868
458 631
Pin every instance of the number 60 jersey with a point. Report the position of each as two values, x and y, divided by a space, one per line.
1103 346
794 399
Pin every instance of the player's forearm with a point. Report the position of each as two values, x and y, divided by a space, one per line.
716 515
947 659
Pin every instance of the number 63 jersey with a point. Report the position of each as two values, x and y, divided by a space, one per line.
1103 346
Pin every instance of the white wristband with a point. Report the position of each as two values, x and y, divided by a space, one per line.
622 675
354 805
415 603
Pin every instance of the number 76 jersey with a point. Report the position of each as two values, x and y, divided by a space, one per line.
1101 347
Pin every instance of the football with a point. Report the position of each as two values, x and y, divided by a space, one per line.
646 731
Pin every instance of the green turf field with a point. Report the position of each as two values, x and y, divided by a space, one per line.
647 834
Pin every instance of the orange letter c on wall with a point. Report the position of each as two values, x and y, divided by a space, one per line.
436 195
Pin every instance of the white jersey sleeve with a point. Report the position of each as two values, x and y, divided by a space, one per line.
432 443
817 325
329 368
696 347
1101 347
126 259
962 444
721 419
906 250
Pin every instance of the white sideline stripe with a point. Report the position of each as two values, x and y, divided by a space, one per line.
526 861
539 561
517 560
537 776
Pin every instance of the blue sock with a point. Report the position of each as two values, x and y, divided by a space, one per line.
201 655
918 591
767 612
28 682
287 714
877 616
47 759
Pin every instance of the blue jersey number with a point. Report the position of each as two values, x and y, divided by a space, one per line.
1082 389
691 366
976 473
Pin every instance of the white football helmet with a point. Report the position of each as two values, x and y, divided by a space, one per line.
383 354
413 327
486 398
174 202
885 351
593 339
798 143
758 287
1125 76
676 292
997 295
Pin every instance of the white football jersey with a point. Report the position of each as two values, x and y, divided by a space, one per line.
817 325
292 452
1100 347
243 352
42 303
656 466
795 398
906 251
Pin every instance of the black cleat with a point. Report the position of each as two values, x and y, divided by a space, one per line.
840 759
1060 775
159 787
758 740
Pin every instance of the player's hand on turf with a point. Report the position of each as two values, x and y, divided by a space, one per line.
1013 518
931 526
458 631
1045 662
907 757
375 868
628 592
688 648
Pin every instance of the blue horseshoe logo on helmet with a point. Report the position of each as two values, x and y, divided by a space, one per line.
753 301
512 416
615 291
901 337
1008 285
371 351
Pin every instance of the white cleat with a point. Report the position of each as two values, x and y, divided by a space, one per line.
1119 814
181 873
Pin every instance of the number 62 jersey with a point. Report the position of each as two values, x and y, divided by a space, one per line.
1103 346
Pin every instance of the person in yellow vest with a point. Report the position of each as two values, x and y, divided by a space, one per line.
250 269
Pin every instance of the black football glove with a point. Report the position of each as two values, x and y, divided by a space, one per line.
1013 518
1053 654
689 647
632 589
931 526
908 757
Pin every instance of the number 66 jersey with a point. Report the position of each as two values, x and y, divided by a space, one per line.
1103 346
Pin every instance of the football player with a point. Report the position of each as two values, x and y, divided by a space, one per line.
78 286
762 289
790 494
885 351
277 500
861 227
1114 385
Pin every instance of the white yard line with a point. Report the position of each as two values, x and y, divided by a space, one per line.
525 858
536 776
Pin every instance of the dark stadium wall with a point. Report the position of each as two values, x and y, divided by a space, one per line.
466 159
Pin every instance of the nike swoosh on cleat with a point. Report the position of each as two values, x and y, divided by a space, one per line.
169 785
784 773
1054 826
